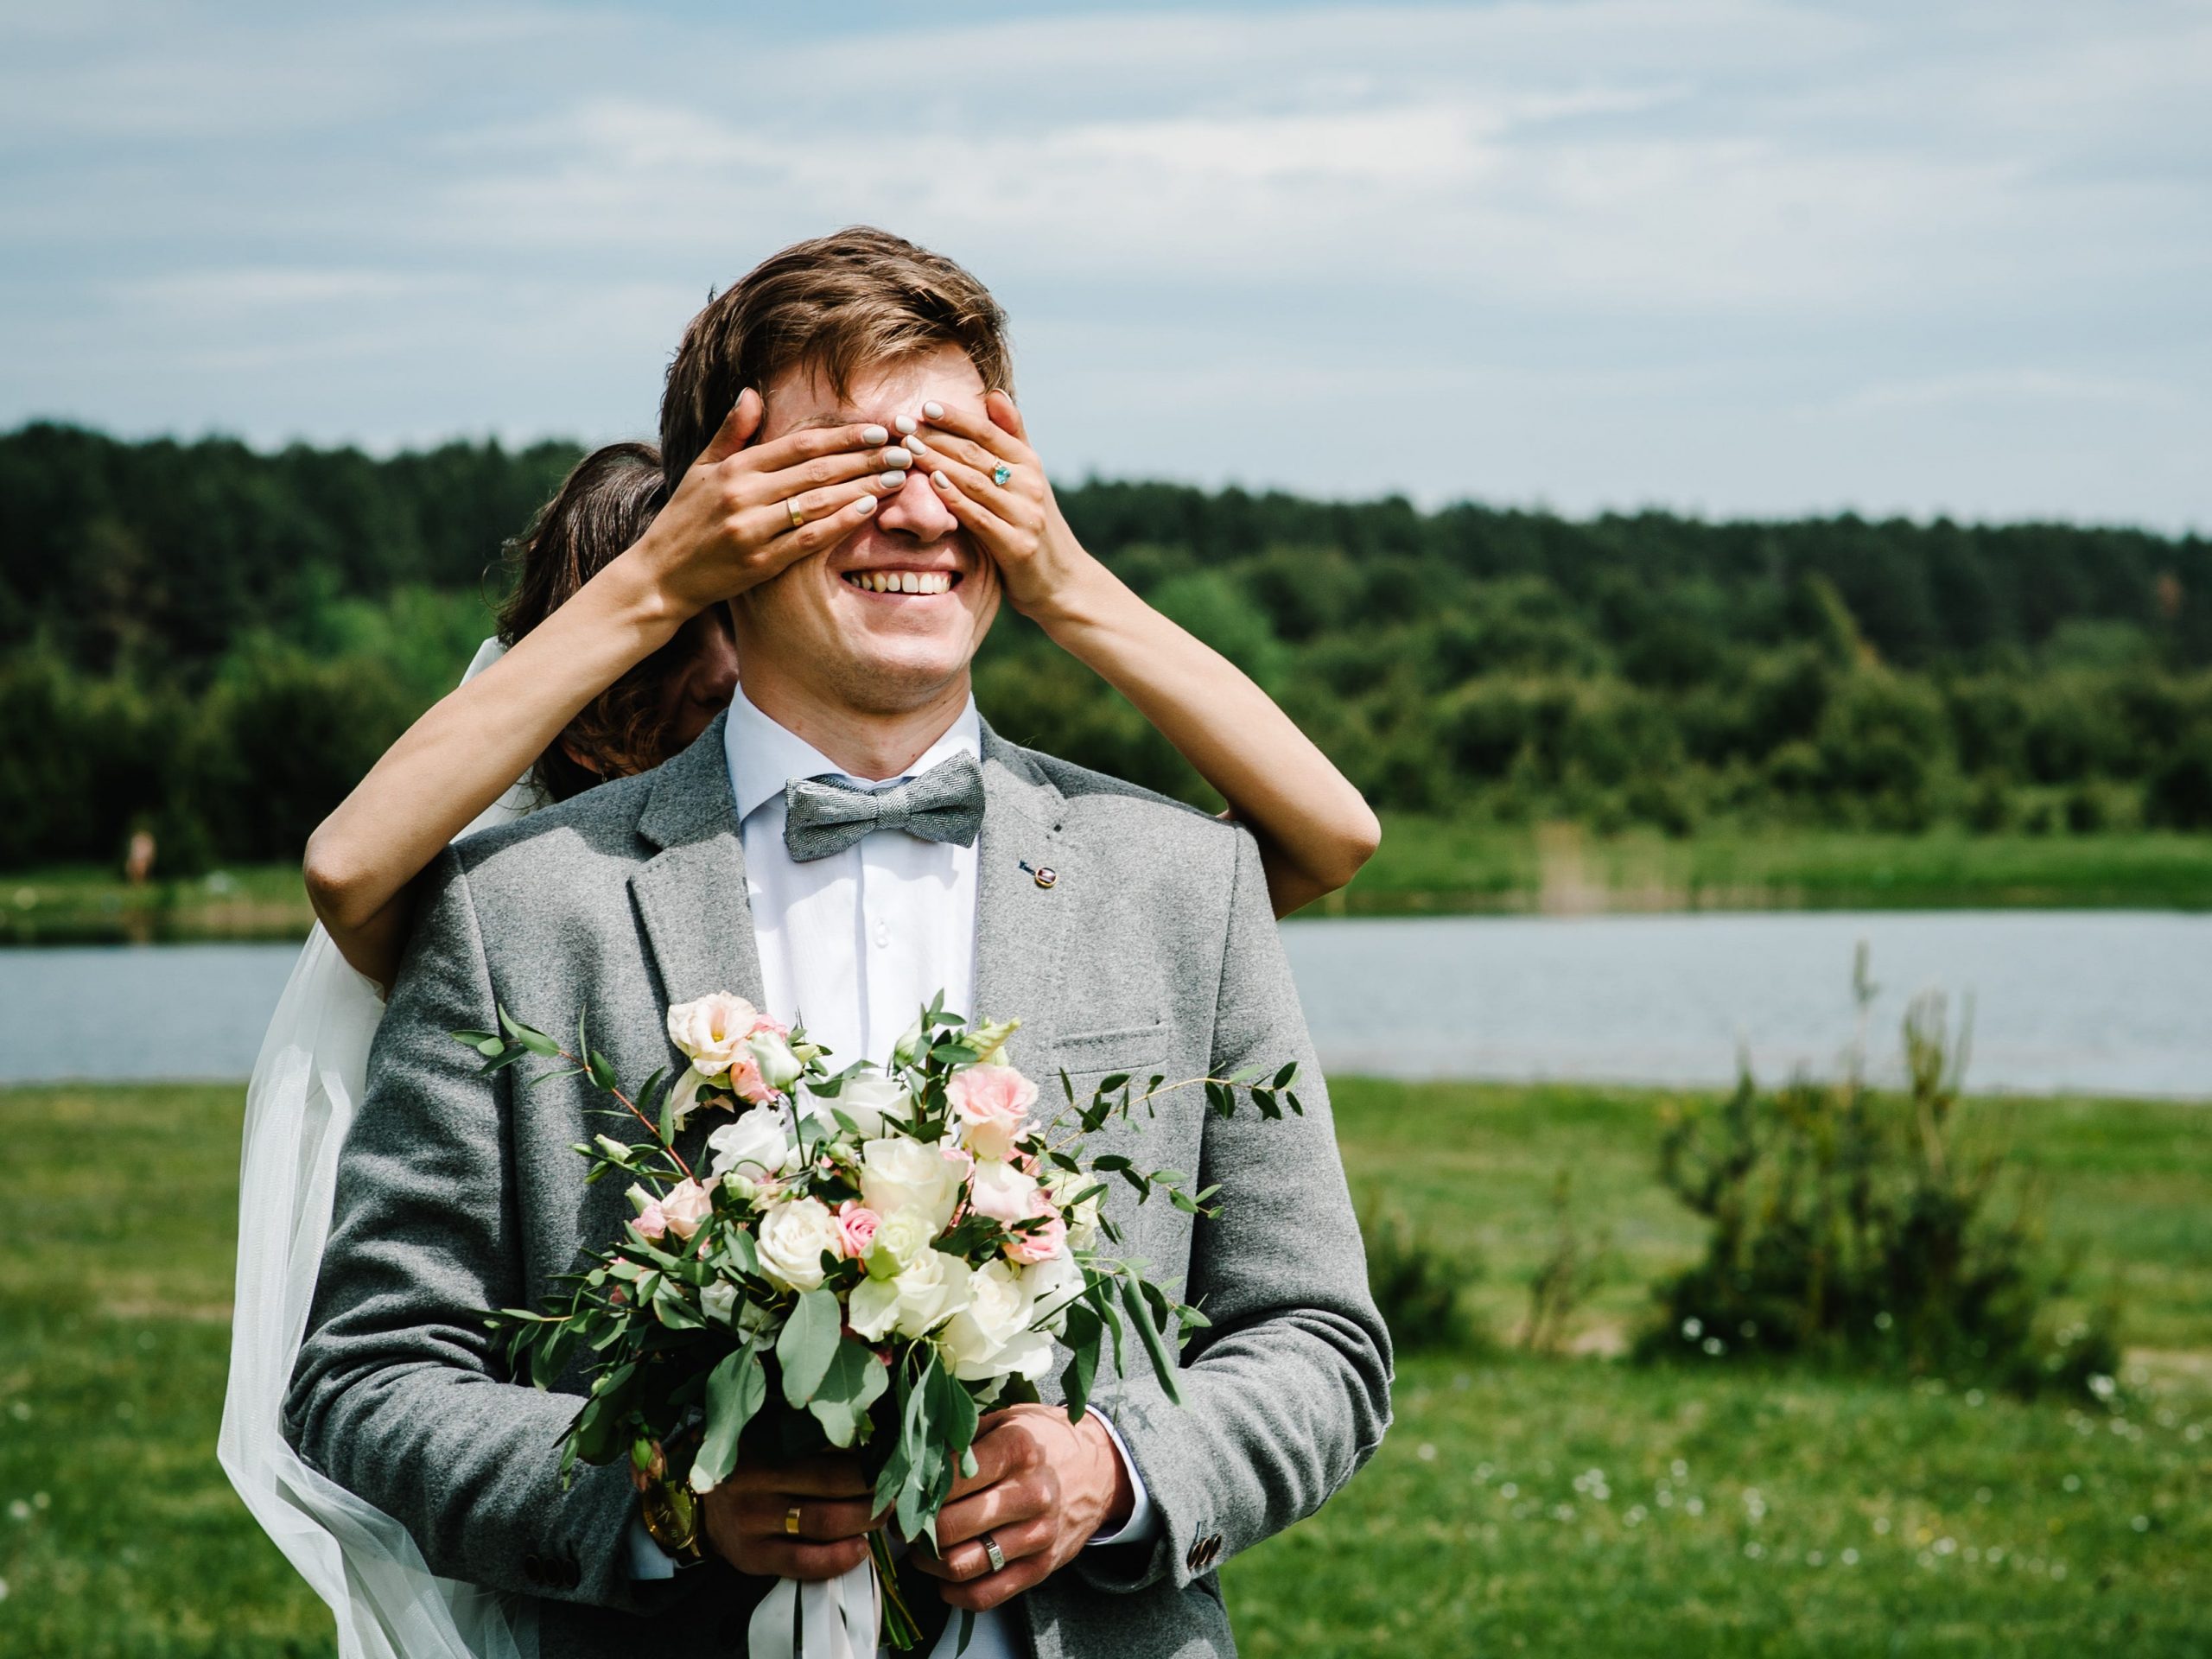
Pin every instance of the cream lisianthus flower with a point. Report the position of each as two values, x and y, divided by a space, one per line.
711 1029
901 1240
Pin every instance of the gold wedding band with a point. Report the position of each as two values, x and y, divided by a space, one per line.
790 1522
798 522
996 1556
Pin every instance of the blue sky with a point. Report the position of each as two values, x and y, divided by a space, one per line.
1727 255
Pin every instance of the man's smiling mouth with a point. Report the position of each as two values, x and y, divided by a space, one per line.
903 581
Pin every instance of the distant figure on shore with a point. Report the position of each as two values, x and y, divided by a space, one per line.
138 860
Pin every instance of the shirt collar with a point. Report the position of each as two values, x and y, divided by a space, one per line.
763 756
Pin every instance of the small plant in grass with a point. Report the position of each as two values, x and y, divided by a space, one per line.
1856 1227
1417 1286
1575 1265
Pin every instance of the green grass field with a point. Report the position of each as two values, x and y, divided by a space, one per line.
1426 866
1551 1506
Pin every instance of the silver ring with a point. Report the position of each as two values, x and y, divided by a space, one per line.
1000 473
993 1553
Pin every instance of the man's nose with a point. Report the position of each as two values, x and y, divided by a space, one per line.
917 511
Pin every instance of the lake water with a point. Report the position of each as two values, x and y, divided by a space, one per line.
2113 1002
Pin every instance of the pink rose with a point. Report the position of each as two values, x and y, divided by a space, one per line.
745 1079
1039 1243
856 1225
992 1102
653 1224
763 1027
686 1204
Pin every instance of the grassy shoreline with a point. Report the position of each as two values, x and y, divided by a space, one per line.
1521 1504
1426 866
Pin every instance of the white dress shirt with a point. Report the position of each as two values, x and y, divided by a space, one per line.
851 946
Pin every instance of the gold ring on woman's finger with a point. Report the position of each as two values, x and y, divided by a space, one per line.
790 1522
1000 473
798 522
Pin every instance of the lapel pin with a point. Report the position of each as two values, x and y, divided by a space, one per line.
1044 875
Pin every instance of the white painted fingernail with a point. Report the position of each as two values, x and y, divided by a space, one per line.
893 479
866 504
897 456
934 411
873 435
943 481
917 446
905 423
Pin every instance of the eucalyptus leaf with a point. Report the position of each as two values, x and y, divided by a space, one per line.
736 1388
806 1346
854 1381
1163 1362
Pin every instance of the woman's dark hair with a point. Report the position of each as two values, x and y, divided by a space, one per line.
601 507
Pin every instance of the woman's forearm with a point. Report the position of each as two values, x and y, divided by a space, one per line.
1315 830
465 752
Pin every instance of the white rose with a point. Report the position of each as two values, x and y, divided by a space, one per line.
779 1067
757 1144
720 1301
935 1286
793 1235
709 1030
1053 1285
1002 1191
899 1242
986 1338
899 1174
870 1101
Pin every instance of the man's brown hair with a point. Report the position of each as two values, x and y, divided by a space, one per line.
837 303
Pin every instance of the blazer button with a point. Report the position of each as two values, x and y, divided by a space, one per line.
533 1568
571 1574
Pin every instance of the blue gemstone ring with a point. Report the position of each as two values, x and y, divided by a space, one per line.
1000 473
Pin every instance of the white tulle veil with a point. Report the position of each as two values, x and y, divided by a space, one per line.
306 1087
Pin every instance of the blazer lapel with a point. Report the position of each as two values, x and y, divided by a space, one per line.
690 898
1028 874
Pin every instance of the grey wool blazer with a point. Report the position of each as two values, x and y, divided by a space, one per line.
1152 950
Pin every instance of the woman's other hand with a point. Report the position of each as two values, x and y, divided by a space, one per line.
743 511
1018 523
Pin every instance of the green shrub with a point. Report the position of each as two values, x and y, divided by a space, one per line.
1854 1227
1417 1285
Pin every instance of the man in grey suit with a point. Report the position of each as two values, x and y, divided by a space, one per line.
847 840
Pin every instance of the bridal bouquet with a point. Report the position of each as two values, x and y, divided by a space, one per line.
867 1260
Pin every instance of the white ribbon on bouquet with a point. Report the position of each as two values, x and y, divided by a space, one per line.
830 1619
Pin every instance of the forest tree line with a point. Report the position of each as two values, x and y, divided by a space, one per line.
214 643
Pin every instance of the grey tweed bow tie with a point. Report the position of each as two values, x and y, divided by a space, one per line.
821 816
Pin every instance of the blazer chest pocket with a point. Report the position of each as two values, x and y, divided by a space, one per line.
1136 1049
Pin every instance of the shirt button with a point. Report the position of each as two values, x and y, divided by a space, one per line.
882 933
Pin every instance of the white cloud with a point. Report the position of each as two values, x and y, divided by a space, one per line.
1619 234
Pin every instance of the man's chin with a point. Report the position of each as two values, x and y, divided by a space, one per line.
893 676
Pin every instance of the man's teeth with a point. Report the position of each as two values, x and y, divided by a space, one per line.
901 582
